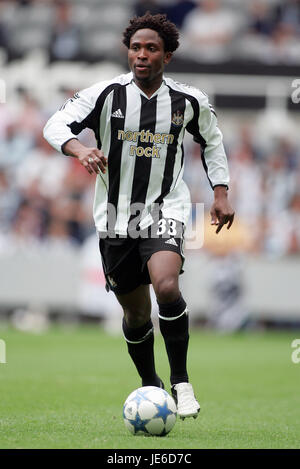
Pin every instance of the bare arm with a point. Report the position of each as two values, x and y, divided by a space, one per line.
92 159
221 211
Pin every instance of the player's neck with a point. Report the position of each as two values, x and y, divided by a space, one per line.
149 87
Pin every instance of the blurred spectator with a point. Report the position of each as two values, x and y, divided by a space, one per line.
194 175
15 147
43 168
19 130
66 37
245 173
282 233
58 234
142 6
273 34
28 224
284 46
294 219
24 2
209 31
278 181
29 117
73 206
260 18
281 200
288 13
9 201
177 11
3 36
5 120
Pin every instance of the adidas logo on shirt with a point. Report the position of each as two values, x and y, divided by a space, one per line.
171 241
118 113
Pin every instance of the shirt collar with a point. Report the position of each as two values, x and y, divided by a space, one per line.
163 83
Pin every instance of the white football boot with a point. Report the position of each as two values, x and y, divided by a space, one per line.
187 404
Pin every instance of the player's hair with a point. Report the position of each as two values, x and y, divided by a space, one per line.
159 23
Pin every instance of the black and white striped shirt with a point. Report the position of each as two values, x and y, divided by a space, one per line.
143 140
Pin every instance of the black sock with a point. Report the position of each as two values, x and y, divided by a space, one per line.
174 328
140 343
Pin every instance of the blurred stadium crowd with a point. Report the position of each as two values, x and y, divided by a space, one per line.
47 198
266 31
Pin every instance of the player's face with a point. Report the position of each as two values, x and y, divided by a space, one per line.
146 56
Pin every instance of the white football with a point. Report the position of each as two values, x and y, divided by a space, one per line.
149 411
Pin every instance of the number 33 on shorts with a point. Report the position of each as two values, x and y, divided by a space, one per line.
167 227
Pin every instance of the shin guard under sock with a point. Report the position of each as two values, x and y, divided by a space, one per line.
174 324
140 343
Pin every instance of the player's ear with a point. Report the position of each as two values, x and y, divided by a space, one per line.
167 57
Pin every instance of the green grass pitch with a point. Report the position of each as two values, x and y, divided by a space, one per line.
66 389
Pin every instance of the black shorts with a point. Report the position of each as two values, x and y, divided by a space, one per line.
125 259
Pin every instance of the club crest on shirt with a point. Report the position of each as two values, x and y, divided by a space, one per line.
177 118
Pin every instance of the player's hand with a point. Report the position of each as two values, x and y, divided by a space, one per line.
93 160
221 212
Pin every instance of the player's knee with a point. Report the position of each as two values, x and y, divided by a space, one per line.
136 317
167 289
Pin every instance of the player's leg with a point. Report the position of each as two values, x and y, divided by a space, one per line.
138 333
125 280
164 268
